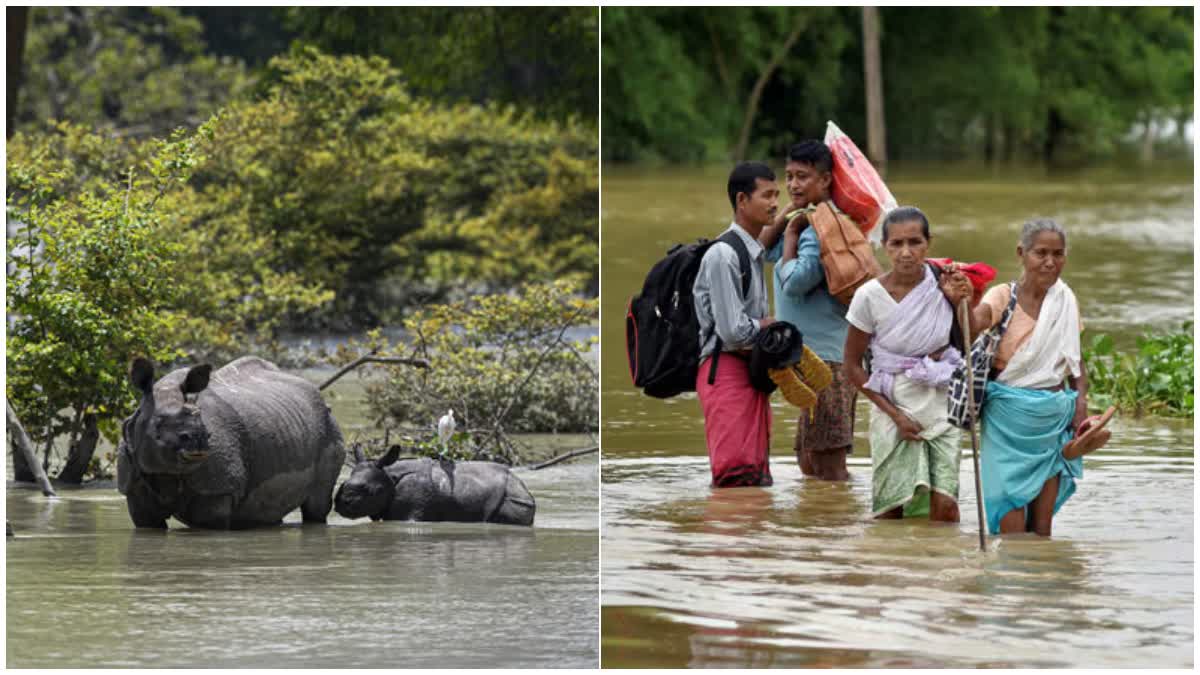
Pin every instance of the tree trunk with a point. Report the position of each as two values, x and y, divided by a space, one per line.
990 132
23 448
80 455
1054 132
739 152
873 76
719 58
17 24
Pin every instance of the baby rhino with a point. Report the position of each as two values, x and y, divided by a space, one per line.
431 490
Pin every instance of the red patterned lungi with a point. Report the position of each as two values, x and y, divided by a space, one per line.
737 423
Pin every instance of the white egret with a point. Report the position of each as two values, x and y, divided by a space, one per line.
445 428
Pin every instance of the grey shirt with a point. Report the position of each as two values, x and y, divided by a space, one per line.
717 292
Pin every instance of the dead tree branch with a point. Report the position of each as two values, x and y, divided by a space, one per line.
564 457
371 358
25 447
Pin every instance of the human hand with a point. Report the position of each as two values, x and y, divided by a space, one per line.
956 286
796 224
909 429
765 321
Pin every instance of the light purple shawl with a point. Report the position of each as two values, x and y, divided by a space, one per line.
920 324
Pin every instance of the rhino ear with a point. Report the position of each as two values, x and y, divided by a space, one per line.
359 457
196 380
392 454
141 375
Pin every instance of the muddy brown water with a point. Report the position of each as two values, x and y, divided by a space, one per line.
85 589
798 574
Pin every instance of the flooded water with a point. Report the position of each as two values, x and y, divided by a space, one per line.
84 589
798 574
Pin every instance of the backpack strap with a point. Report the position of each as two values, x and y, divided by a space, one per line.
739 247
1008 311
730 237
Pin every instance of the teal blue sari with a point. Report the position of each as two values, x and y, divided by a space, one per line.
1024 431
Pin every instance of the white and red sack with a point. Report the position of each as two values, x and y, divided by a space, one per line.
857 188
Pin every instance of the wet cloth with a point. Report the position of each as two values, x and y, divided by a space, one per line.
737 424
1024 431
831 423
1038 353
904 472
905 333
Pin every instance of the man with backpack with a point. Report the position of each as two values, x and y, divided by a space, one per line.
803 297
731 313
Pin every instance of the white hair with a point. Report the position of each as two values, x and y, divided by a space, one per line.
1031 229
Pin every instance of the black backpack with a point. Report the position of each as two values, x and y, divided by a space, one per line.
662 333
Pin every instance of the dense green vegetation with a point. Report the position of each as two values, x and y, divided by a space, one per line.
188 205
1158 378
1043 83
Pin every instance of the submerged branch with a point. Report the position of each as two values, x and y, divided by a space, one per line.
564 457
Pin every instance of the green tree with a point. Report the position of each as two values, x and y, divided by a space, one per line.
138 71
112 258
541 58
391 200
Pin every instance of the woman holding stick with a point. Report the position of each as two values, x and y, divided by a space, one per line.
1034 417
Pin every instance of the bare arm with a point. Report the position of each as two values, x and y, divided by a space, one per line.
852 357
770 233
1080 385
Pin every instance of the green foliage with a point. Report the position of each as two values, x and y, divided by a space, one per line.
1050 83
135 70
1157 379
112 259
541 58
504 363
676 81
389 200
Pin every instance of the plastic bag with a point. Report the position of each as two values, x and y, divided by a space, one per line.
857 188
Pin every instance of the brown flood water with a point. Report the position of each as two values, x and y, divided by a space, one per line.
798 574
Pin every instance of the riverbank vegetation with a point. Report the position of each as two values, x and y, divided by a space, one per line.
1158 378
991 83
193 202
506 364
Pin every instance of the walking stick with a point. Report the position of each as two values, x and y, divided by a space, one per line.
964 324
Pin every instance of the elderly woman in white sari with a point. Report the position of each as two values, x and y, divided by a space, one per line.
1033 427
905 319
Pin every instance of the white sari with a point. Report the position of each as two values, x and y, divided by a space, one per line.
1053 348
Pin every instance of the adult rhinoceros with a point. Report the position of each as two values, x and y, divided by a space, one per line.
242 448
430 490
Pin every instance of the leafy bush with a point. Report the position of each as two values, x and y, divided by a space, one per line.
391 201
107 263
1157 379
504 363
